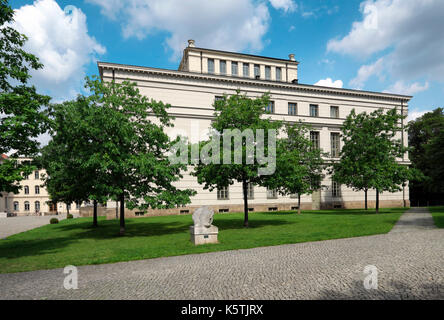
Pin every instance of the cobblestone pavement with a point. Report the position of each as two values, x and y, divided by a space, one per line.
13 225
409 264
413 220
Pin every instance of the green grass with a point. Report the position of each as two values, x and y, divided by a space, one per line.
75 242
438 216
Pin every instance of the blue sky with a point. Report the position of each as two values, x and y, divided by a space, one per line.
378 45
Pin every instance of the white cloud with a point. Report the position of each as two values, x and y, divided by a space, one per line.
233 25
408 34
286 5
401 88
60 40
329 83
365 72
415 113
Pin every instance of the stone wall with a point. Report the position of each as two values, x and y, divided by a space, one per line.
110 213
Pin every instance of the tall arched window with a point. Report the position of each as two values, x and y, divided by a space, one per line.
37 206
37 190
26 189
27 206
36 175
16 206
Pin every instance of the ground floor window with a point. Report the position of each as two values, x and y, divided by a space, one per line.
250 191
37 206
335 189
16 206
27 206
222 193
271 193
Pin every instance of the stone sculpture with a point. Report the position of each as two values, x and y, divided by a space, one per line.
203 231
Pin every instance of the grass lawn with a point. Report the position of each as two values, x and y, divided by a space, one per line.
438 216
74 242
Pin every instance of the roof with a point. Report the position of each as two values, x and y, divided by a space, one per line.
270 83
4 156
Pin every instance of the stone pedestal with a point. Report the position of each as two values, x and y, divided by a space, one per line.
204 235
3 215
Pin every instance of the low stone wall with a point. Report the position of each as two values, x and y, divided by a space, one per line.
110 213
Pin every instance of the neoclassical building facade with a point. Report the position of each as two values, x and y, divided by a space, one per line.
33 198
204 75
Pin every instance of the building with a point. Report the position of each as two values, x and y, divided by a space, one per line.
204 75
32 199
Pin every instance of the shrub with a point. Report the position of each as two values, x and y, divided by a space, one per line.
54 221
69 216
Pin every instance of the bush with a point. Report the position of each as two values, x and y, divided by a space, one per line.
54 221
69 216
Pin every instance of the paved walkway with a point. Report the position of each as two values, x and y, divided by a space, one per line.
415 219
409 264
13 225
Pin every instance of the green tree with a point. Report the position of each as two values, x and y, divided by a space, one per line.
370 152
130 148
299 164
21 115
241 120
70 177
425 140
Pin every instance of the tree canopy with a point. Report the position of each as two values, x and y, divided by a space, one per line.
22 117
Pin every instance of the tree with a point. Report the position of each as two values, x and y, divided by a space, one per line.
299 164
239 119
130 148
70 176
369 155
21 117
425 140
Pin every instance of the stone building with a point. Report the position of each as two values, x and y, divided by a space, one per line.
205 74
32 199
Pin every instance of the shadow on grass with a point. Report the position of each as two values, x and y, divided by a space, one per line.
67 233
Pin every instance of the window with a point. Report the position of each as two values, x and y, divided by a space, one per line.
314 138
278 74
36 175
250 191
27 206
26 189
234 70
223 67
335 147
335 189
37 206
16 206
334 112
271 193
37 190
257 71
292 108
25 176
314 110
218 98
270 107
246 69
222 193
267 72
210 65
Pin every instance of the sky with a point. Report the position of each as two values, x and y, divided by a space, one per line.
377 45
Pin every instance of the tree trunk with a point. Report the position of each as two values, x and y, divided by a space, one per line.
299 203
122 214
95 214
365 192
67 210
377 201
245 191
